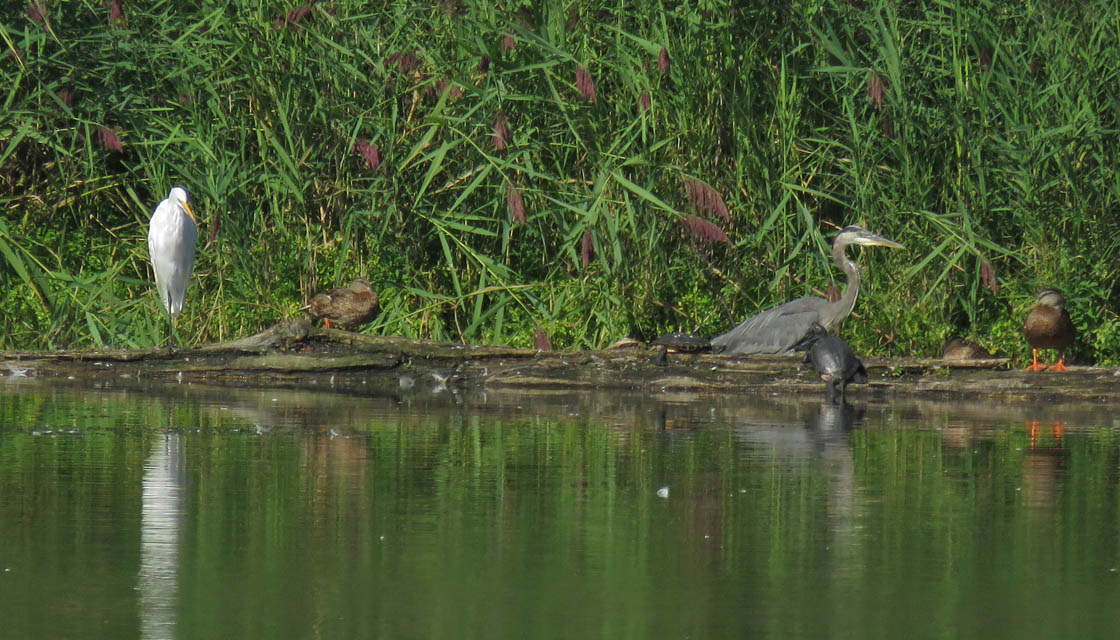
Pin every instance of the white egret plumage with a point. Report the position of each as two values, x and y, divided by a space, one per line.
172 238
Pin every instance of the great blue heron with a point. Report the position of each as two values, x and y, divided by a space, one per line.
779 329
1048 326
345 307
834 361
172 238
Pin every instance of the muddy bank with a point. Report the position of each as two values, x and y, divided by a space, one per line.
295 354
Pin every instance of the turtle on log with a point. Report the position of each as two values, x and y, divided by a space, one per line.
679 342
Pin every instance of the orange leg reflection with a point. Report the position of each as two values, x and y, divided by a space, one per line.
1057 430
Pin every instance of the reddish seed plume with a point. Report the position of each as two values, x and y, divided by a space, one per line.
832 293
452 7
214 230
404 61
705 230
484 64
184 99
705 199
540 340
109 139
453 91
888 128
116 12
501 132
875 90
66 97
585 85
515 204
988 277
37 12
985 60
587 250
370 152
293 17
644 102
663 60
1036 66
508 43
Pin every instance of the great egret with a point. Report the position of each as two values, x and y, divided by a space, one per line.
780 329
1048 327
172 238
346 307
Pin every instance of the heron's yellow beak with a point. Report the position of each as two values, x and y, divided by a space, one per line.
190 211
874 240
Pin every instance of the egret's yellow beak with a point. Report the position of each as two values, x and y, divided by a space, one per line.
190 211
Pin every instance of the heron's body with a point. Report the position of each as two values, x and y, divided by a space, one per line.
780 329
836 364
1048 326
172 239
346 306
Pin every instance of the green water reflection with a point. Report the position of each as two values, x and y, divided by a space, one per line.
212 513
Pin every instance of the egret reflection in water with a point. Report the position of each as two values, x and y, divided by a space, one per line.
161 519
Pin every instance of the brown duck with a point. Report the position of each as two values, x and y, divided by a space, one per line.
961 349
1048 327
346 307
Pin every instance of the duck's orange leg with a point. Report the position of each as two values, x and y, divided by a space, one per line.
1035 366
327 324
1060 365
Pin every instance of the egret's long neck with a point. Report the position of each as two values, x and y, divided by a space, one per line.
847 301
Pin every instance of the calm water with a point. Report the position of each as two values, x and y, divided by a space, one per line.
195 512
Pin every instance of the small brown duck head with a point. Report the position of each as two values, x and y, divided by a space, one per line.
1048 326
961 349
346 307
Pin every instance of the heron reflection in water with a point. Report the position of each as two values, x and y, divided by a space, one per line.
780 329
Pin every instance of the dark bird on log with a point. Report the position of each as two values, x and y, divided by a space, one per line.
346 307
1048 326
834 362
779 329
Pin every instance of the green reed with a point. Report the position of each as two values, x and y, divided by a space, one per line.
554 188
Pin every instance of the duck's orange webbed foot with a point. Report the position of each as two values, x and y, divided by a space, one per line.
1060 365
1035 366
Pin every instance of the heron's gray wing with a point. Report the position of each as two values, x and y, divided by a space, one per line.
775 330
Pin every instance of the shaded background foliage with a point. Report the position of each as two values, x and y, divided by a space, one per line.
587 169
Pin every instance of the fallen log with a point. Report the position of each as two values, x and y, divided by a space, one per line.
298 355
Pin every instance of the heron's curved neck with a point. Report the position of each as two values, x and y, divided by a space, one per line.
847 301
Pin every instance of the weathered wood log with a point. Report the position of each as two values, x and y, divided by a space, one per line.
296 354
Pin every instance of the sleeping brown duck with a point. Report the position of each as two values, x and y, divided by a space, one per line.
1048 326
346 307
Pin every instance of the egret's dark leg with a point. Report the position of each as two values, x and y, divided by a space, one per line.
170 325
662 358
